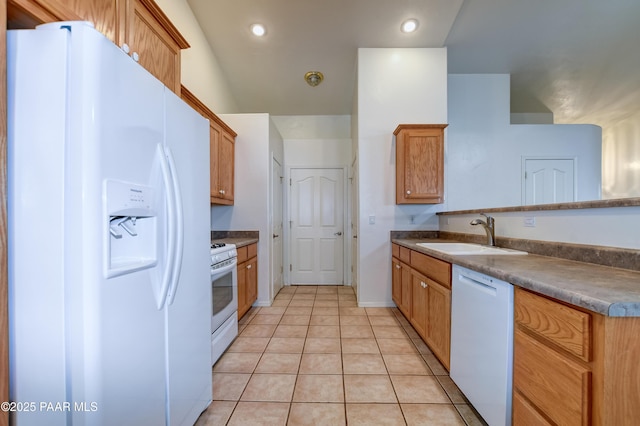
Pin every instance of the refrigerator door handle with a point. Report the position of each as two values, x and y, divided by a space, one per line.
179 244
171 228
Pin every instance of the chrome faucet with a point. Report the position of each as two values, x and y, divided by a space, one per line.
489 228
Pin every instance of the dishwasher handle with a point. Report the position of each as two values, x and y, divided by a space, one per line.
486 286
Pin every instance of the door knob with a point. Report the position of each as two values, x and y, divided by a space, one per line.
338 233
275 235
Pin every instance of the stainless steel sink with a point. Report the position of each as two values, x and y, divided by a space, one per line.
469 249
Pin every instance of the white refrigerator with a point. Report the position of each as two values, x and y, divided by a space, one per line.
109 232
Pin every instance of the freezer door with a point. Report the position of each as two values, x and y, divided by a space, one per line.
188 306
115 332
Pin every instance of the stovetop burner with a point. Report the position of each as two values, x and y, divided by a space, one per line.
217 245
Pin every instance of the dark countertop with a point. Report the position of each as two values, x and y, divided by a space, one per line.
238 241
239 238
602 289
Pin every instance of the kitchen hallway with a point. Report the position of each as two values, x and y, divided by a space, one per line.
314 357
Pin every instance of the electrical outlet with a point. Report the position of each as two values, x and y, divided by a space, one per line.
412 219
529 222
372 219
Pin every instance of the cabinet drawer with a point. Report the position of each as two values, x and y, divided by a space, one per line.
395 251
561 324
252 250
559 387
243 254
405 254
433 268
524 414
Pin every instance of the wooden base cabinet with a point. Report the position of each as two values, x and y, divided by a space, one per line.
247 277
572 366
221 151
401 280
141 25
421 288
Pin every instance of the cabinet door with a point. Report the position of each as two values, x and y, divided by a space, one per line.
226 166
396 282
251 281
102 13
419 164
214 157
439 321
150 34
242 289
419 304
406 282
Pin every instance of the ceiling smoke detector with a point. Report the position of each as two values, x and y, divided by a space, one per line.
313 78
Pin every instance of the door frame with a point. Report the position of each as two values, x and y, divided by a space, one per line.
523 192
273 273
287 217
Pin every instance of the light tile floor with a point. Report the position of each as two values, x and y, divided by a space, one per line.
315 358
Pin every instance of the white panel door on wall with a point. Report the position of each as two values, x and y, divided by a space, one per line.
276 227
354 226
317 219
549 180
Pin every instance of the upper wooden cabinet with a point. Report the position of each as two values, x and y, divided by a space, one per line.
419 163
222 149
138 24
223 141
149 34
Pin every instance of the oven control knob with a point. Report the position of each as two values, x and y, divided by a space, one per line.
216 258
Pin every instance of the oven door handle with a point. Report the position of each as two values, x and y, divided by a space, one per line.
215 273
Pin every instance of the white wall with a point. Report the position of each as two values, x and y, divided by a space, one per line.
613 227
621 159
484 151
313 141
313 126
395 86
200 70
255 144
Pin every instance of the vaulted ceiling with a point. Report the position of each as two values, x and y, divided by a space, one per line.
579 59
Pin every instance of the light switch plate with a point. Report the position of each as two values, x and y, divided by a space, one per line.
530 221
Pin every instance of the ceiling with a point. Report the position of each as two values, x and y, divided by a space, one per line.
579 59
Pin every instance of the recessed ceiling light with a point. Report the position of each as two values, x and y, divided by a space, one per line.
409 26
258 30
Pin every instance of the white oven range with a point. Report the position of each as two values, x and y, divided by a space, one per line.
224 295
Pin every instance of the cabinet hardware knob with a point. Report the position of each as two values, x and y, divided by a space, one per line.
408 192
135 56
125 48
248 266
220 191
397 266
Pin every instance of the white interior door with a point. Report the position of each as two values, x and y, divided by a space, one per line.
317 219
354 226
276 227
549 180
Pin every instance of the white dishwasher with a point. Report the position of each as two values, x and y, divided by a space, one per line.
482 342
